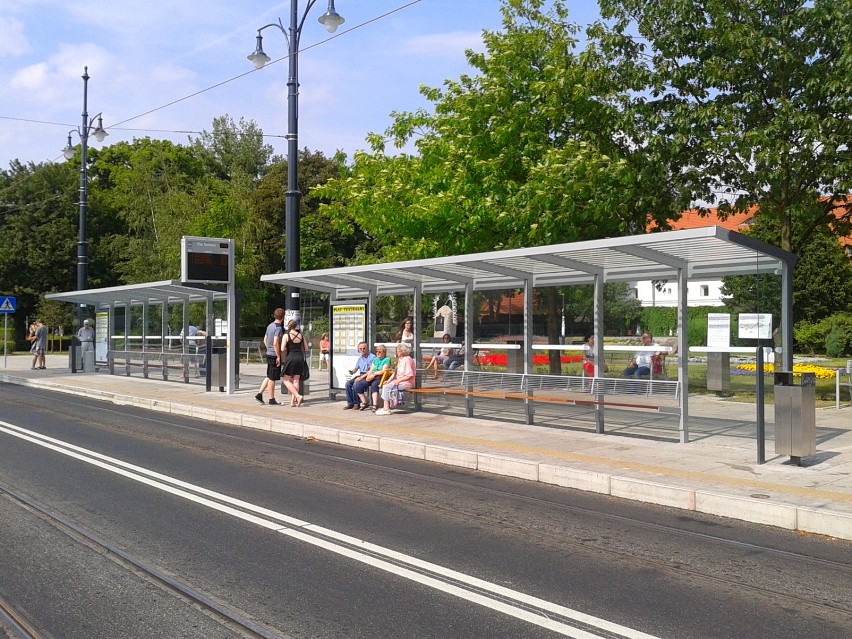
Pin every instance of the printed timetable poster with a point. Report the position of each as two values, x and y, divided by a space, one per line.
348 327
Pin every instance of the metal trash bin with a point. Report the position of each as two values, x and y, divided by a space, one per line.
795 415
217 368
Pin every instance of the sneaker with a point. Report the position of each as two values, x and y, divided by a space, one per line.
259 398
348 407
382 411
274 402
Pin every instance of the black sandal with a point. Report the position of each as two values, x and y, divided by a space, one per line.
362 407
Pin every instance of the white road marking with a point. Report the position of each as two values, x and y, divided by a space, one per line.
499 598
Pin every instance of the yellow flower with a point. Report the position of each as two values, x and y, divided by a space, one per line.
819 371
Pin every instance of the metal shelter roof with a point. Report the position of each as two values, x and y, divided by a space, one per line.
151 292
705 253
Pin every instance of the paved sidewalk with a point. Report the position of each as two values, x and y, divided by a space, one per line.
716 474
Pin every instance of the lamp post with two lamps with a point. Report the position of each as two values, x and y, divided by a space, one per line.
84 132
331 20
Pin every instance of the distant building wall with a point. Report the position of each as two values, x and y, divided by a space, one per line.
699 293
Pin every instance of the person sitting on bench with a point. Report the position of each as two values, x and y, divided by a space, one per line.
439 359
403 377
589 357
455 359
373 378
640 364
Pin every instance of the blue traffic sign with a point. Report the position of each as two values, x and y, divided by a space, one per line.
7 304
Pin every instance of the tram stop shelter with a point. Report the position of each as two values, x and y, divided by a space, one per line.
678 256
133 328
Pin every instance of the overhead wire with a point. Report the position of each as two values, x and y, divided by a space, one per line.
117 127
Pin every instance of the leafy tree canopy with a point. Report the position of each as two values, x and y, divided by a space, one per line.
527 152
747 99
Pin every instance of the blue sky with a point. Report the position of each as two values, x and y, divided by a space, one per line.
145 54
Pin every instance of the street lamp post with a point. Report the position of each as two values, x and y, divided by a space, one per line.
84 132
331 20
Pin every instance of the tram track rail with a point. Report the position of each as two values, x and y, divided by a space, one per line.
232 618
15 624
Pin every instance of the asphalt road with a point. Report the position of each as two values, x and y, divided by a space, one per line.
116 522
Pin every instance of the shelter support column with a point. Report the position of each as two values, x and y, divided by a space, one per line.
164 331
528 342
416 327
110 339
786 317
144 338
371 336
683 350
599 348
185 341
127 308
468 345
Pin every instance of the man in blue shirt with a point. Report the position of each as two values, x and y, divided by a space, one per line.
359 372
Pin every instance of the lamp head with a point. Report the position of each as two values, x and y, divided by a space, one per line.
99 132
331 19
68 151
259 59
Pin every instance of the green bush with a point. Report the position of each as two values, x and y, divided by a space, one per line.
809 336
838 342
662 322
659 320
812 337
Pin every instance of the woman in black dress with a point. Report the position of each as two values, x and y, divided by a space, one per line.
294 347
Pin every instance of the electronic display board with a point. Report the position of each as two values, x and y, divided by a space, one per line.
206 260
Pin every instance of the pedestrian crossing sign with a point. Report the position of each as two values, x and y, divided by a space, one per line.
7 304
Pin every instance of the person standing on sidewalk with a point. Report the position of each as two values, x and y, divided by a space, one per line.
40 345
86 335
272 341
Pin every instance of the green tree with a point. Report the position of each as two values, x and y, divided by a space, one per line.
822 282
749 100
528 152
231 149
152 187
39 222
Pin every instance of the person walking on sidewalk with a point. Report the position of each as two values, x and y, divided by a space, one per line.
325 351
294 361
272 341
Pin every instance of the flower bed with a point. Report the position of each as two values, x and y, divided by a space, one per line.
500 359
768 369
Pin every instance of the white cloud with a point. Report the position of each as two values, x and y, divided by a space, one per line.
443 45
14 41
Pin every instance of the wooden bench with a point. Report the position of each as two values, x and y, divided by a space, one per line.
620 393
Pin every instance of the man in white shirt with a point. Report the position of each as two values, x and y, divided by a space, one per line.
640 365
86 335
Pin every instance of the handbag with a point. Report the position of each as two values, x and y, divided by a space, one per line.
306 371
395 398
